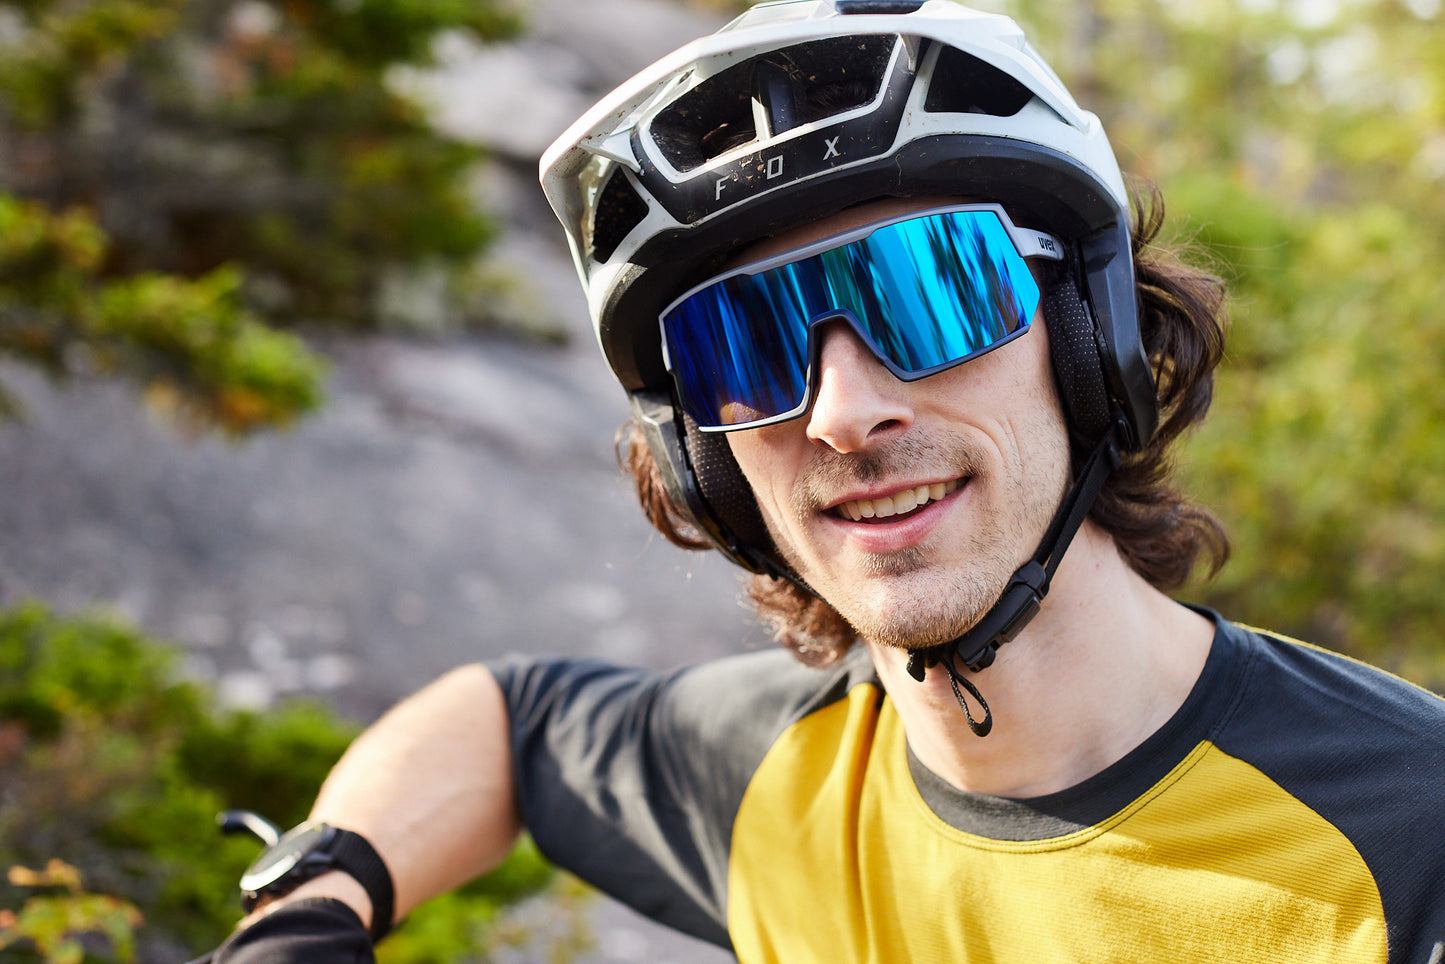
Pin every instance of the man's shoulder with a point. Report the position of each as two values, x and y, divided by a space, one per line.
771 689
742 702
1312 692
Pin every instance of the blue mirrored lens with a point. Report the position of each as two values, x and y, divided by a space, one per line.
925 294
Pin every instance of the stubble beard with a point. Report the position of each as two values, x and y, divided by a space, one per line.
910 599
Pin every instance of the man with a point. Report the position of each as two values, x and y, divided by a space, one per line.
868 276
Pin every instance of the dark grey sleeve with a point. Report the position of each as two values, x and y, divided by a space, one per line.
631 778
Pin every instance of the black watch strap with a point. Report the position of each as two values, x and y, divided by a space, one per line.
354 854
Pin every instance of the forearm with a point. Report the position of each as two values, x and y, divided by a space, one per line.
430 786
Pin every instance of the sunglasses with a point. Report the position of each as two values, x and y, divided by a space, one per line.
924 292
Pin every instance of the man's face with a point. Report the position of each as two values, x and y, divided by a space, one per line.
842 488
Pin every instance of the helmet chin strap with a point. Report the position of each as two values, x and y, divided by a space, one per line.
1025 592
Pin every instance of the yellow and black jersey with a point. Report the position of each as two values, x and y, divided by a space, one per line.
1290 811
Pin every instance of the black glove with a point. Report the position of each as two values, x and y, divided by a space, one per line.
317 930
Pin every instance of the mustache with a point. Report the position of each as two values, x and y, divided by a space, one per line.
829 471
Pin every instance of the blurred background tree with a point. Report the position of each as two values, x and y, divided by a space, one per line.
181 177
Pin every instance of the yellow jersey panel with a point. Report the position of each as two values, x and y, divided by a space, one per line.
836 857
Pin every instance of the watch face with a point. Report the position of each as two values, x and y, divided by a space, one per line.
280 859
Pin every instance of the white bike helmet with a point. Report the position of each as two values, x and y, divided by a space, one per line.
796 110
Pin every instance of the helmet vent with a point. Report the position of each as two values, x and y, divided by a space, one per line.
878 6
817 80
619 210
963 84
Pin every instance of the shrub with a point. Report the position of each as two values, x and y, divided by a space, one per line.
111 764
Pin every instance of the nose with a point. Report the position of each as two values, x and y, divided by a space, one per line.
857 402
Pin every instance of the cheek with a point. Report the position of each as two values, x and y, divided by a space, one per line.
1026 375
761 465
1044 432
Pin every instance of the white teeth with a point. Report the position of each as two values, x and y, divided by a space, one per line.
905 501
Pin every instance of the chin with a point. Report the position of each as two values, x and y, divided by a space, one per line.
931 621
921 597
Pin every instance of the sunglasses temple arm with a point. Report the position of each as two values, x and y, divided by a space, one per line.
1038 244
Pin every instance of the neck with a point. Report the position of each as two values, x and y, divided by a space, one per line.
1107 660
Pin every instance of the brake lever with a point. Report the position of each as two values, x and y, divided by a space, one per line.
244 821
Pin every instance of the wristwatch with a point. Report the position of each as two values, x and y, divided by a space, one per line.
311 849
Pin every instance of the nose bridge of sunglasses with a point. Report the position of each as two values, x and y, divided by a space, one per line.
825 327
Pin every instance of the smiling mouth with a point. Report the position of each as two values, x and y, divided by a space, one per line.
900 503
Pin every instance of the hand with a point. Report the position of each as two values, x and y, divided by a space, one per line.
321 930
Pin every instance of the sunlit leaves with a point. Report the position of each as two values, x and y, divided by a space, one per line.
181 177
54 923
192 341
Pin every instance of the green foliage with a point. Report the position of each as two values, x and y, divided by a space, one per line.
380 32
454 927
98 736
38 78
111 765
53 924
198 335
184 175
192 339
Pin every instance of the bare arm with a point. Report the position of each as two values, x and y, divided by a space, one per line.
430 785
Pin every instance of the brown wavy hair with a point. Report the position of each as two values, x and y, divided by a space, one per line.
1159 531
